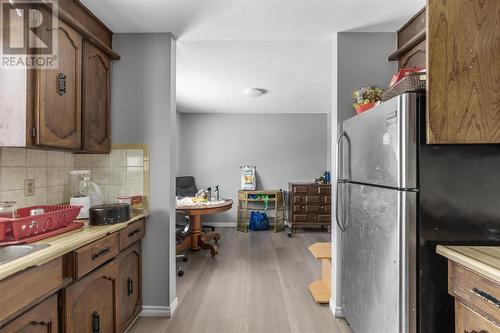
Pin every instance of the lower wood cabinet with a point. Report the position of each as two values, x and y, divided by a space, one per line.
43 318
129 286
90 304
469 321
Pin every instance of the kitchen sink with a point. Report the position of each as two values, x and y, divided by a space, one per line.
13 252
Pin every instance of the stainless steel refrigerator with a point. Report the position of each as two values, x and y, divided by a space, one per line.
396 198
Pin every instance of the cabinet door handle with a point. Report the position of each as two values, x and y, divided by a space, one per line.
61 84
130 286
485 296
101 253
95 322
474 331
130 234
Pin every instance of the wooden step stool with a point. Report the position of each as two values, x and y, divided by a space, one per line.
321 288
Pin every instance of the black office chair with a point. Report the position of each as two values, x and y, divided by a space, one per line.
181 232
186 187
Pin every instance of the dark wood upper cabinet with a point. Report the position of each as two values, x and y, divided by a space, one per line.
96 100
68 107
463 72
57 95
89 304
129 286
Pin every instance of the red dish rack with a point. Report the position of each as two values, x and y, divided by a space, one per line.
25 228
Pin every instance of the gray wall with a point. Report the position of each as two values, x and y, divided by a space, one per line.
284 147
142 112
362 61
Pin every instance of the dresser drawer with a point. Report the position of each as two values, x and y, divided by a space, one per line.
325 209
469 321
132 233
19 291
312 199
478 292
93 255
325 190
300 189
324 218
298 199
326 200
299 217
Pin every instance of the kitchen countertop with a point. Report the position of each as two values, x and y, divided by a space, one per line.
484 260
62 244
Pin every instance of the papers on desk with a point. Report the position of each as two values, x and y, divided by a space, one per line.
188 201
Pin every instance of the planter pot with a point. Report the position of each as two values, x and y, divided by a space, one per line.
364 107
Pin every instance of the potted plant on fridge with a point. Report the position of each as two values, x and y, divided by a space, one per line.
365 98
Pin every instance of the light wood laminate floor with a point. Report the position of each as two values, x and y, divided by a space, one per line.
258 284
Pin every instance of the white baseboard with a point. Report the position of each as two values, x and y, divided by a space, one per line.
159 310
336 310
222 224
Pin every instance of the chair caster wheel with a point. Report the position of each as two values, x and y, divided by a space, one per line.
180 273
185 259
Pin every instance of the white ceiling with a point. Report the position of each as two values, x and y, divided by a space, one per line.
211 76
195 20
226 46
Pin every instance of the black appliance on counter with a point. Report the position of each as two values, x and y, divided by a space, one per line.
111 213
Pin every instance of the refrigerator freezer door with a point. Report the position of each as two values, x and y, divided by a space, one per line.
381 145
378 253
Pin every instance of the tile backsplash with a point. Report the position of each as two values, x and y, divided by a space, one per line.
125 171
121 172
48 169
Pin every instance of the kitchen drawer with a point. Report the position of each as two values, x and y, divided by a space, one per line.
93 255
132 233
478 292
325 190
469 321
21 290
300 189
312 199
42 318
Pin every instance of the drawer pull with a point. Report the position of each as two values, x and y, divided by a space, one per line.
130 286
487 297
474 331
95 322
130 234
101 253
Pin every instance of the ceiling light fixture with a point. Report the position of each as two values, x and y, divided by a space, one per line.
254 92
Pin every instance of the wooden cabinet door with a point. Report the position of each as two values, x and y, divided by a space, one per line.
58 95
41 319
129 286
463 71
90 304
96 100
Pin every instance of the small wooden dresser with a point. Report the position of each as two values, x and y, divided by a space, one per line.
309 204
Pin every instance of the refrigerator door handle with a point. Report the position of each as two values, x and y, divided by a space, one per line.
337 191
340 162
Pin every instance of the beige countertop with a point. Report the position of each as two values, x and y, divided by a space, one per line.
62 244
484 260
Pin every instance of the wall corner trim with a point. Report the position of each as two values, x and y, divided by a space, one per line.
159 310
336 310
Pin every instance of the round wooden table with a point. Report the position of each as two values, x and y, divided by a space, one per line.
199 239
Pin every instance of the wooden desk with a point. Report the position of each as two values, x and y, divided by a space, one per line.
199 239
